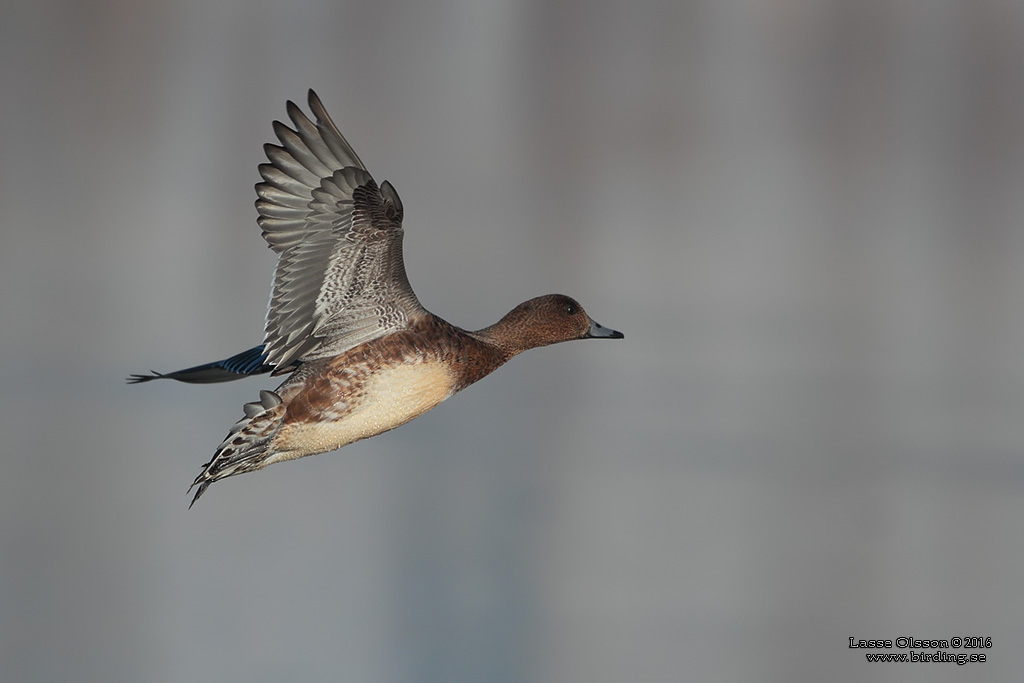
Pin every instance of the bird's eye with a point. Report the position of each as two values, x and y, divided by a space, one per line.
570 309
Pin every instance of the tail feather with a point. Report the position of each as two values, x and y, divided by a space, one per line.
245 364
245 447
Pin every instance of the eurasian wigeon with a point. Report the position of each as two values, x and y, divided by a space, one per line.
363 355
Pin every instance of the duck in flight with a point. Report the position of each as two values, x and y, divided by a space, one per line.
361 354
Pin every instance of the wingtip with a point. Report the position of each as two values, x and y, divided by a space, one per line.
294 112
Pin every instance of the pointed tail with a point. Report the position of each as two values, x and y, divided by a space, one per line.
239 366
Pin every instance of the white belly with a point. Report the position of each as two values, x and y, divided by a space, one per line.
390 397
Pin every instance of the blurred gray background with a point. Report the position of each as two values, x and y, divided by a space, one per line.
805 216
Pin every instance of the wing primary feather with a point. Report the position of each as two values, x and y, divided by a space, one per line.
298 149
283 160
278 196
310 136
282 181
332 136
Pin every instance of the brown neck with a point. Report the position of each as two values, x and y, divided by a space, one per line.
500 346
512 334
481 354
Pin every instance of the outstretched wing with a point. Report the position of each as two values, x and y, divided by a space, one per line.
340 278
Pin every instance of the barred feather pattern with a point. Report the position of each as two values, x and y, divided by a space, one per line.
244 448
